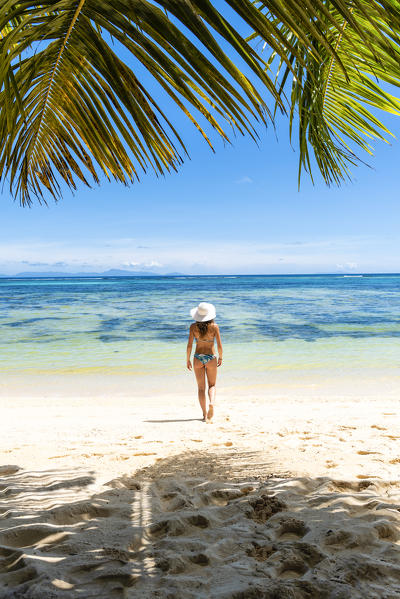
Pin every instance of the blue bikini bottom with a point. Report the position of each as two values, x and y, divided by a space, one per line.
204 358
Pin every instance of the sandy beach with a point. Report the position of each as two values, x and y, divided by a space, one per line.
285 495
199 192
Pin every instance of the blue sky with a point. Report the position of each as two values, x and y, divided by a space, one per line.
236 211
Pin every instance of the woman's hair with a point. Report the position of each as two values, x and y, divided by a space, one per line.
203 327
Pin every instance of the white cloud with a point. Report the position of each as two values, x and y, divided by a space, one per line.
130 264
217 256
153 264
244 179
347 266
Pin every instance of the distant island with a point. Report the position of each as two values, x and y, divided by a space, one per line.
113 272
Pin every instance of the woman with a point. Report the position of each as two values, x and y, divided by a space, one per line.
205 363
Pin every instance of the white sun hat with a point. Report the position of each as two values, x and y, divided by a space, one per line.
203 312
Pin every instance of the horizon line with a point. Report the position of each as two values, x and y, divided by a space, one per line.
160 275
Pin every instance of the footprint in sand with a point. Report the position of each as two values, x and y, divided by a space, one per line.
174 501
292 568
198 520
291 528
177 526
265 506
173 565
224 495
290 561
365 452
170 526
200 559
395 461
380 428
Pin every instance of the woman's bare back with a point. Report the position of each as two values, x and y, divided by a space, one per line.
205 344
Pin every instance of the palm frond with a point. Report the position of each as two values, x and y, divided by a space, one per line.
335 102
70 104
76 81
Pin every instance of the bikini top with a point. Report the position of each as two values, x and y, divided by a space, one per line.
209 340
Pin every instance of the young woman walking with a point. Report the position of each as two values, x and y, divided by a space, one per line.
206 332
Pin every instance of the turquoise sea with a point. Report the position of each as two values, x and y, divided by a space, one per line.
136 324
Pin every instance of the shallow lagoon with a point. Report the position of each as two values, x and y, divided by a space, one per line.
268 323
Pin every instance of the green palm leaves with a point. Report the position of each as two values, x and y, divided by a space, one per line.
335 100
78 81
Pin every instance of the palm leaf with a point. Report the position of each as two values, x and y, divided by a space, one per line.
77 80
335 102
80 107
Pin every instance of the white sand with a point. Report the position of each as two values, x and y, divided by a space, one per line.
286 495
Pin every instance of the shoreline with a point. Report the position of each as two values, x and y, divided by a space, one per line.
352 384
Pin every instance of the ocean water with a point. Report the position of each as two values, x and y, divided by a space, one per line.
139 325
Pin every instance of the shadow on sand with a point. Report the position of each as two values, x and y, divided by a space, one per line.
197 525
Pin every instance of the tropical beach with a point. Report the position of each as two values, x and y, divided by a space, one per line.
199 299
116 488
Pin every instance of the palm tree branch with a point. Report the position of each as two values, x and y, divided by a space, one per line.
332 61
57 61
70 102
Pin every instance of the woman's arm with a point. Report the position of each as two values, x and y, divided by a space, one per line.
219 344
189 348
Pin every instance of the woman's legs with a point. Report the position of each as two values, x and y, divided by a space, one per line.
211 372
199 371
